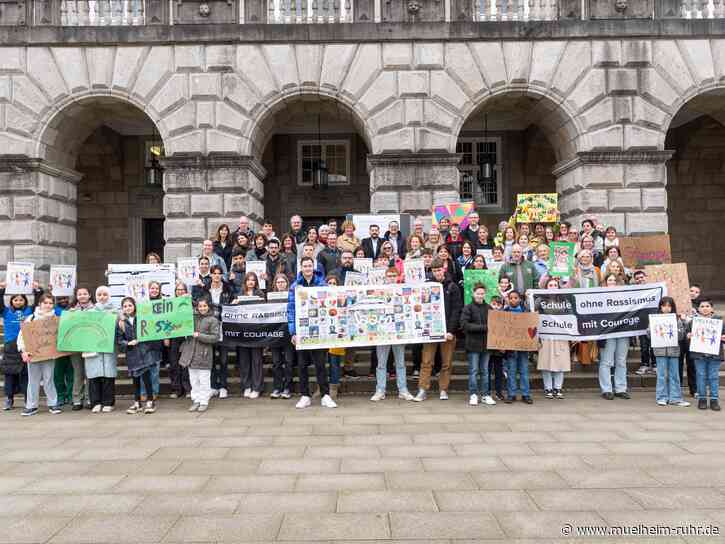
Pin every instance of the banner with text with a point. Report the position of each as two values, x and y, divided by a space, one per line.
255 325
164 319
328 317
596 313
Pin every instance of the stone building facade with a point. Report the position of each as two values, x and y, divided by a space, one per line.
614 116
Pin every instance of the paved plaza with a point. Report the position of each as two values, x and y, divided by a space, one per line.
260 471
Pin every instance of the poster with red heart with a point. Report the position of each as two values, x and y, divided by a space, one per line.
511 331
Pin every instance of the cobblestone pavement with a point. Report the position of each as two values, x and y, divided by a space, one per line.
260 471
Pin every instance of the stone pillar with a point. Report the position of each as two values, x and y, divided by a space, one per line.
412 182
203 191
38 213
626 189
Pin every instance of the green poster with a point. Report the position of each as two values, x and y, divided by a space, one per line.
89 331
561 259
489 278
165 318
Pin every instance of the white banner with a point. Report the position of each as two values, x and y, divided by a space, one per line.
125 278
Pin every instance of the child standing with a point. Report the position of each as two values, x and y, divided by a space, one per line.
554 359
283 358
63 373
82 302
178 375
707 366
669 389
335 356
474 322
140 357
101 367
517 361
495 363
41 370
197 354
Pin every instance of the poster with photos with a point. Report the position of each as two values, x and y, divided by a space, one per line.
349 316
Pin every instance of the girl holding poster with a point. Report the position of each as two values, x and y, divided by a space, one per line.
140 357
705 345
197 354
665 338
101 367
82 302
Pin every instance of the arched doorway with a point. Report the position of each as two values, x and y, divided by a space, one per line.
291 139
522 136
696 188
111 143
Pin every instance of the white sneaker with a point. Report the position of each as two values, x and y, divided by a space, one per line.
247 392
444 395
254 395
194 407
641 370
97 409
682 403
379 395
223 393
661 403
327 402
473 400
304 402
487 400
405 395
107 409
214 393
421 396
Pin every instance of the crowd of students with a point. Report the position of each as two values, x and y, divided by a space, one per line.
323 255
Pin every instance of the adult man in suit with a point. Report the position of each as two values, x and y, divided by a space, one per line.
372 245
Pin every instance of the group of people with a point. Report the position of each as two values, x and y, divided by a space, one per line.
323 255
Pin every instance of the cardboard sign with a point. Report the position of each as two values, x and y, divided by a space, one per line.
561 259
89 331
706 335
165 318
19 278
63 280
677 280
537 208
457 213
41 339
639 251
511 331
663 330
489 278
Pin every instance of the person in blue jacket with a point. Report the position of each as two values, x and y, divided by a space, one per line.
307 277
11 365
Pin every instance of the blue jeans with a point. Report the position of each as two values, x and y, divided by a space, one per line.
155 371
381 372
335 365
708 374
614 354
478 372
668 379
517 361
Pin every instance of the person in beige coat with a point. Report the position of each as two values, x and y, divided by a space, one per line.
554 359
347 240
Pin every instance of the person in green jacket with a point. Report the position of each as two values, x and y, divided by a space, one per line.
522 273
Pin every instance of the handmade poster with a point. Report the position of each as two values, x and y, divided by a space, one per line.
639 251
355 278
165 318
595 313
255 325
487 254
414 270
137 287
41 339
489 278
706 335
122 276
362 223
260 269
511 331
663 330
376 276
362 264
328 317
457 213
561 259
19 278
188 270
62 280
89 331
537 208
495 265
677 281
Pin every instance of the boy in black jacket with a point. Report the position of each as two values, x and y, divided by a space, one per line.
474 323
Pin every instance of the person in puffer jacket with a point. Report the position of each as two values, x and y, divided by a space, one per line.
197 354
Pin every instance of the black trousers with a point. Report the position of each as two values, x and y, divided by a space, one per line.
687 360
16 383
318 357
282 361
647 358
495 375
251 370
102 391
146 378
178 375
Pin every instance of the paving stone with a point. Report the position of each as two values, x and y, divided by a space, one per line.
691 498
645 448
252 483
624 461
237 528
448 438
499 449
573 448
334 527
543 462
162 484
443 525
299 466
387 464
115 529
142 468
10 484
219 467
266 452
458 464
544 524
313 482
576 499
608 478
483 501
429 480
379 440
17 505
519 480
200 452
417 451
263 503
692 477
189 504
386 501
344 452
71 505
72 484
31 529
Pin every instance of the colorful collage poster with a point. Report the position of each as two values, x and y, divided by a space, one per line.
63 279
19 278
663 330
537 208
706 335
457 213
561 259
346 316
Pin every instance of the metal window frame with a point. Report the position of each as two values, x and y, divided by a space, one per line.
323 144
473 168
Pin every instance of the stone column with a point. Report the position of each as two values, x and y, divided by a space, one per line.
38 213
203 191
626 189
412 182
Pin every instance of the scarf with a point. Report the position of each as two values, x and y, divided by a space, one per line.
107 307
81 307
40 314
259 251
586 276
